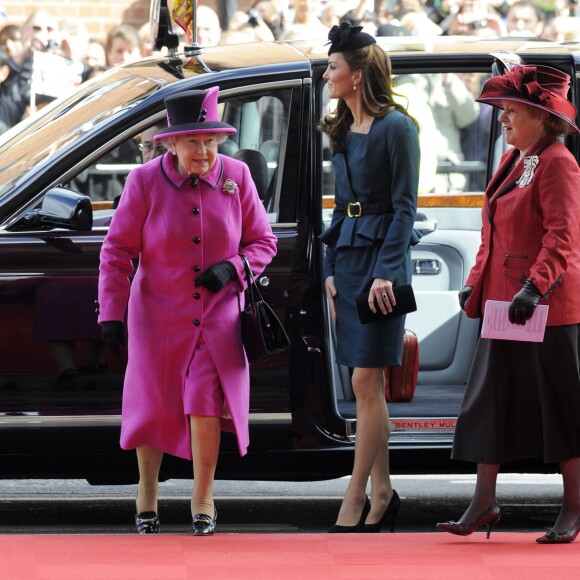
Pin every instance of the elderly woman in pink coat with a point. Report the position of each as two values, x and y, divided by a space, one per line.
188 216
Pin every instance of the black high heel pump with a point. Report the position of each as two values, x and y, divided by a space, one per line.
356 528
390 514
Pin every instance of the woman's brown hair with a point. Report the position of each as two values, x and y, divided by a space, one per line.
376 94
553 124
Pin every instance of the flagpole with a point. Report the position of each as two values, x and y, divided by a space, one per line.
194 23
194 47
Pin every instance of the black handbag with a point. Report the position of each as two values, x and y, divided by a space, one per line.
405 303
263 335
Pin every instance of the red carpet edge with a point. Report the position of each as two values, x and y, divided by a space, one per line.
430 556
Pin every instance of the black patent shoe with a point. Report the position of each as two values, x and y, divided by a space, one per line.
147 522
203 525
390 515
336 529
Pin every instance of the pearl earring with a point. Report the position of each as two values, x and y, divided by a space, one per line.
354 87
174 153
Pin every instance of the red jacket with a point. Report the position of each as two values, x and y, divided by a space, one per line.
531 232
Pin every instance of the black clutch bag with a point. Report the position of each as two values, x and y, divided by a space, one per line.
405 303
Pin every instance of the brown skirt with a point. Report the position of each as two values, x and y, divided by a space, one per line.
522 400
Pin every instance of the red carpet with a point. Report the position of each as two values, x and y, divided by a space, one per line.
285 556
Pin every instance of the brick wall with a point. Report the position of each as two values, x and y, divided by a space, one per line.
99 16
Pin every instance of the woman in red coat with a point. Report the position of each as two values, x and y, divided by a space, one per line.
187 216
522 399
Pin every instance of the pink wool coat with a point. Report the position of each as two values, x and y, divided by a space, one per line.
531 232
177 229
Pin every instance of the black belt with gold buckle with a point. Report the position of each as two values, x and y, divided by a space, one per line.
357 209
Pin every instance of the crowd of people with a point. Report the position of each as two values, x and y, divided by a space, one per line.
304 19
43 57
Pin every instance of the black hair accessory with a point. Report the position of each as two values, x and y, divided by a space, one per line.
347 37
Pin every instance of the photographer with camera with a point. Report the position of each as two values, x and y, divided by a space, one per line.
476 18
271 12
40 33
45 71
246 27
36 35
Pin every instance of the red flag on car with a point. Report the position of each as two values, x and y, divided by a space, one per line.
182 14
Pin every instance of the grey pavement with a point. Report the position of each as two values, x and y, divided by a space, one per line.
529 502
510 486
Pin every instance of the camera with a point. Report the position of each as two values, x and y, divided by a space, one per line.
253 18
477 24
51 44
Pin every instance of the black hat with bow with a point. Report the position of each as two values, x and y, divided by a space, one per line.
346 37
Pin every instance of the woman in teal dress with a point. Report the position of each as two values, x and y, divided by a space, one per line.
376 157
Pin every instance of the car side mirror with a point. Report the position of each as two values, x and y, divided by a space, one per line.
62 208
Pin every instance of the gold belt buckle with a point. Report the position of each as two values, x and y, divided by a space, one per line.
357 206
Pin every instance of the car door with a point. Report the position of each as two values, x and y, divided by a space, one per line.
53 365
454 140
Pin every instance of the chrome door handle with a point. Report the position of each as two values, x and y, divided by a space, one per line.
426 267
426 226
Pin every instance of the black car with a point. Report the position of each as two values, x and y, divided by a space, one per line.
62 170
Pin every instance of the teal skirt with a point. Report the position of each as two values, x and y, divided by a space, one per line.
373 345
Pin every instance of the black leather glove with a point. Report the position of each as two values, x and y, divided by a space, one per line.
113 336
524 303
217 276
464 295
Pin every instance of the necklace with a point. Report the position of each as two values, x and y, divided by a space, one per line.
180 169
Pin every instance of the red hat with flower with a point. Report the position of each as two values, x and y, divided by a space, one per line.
540 86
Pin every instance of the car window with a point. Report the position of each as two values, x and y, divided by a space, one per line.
104 180
261 121
454 131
